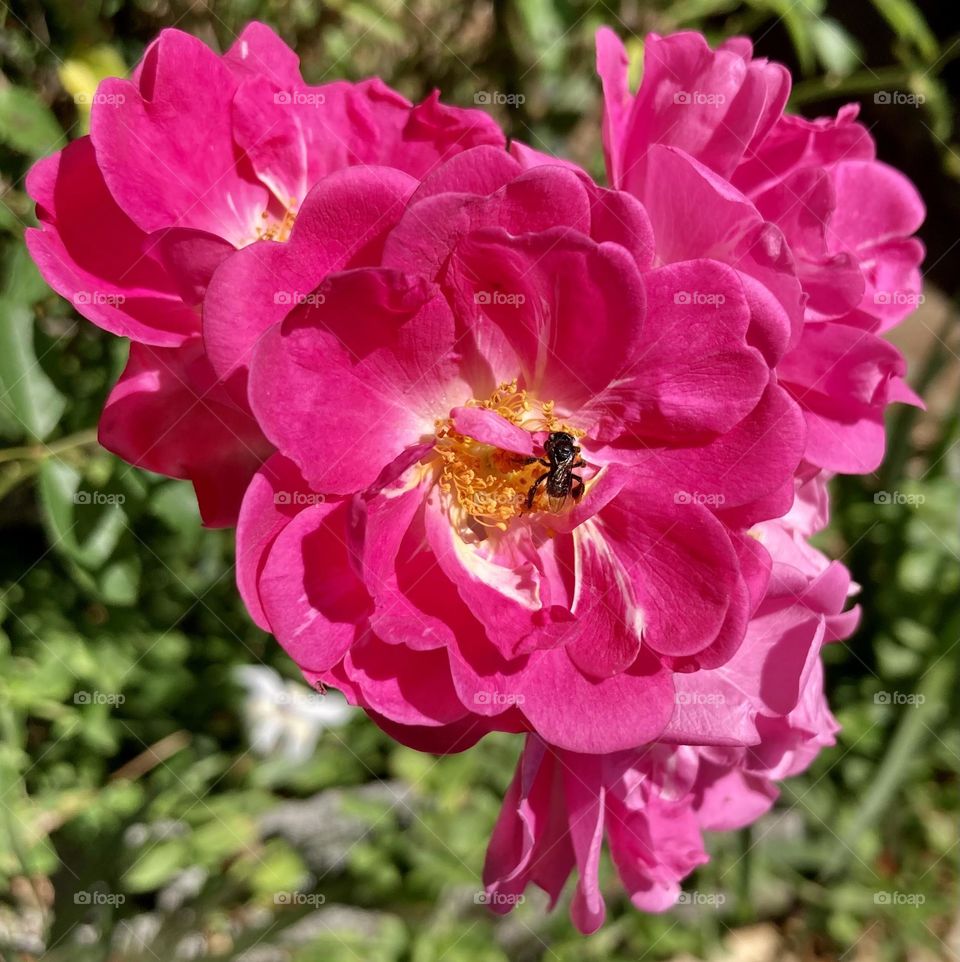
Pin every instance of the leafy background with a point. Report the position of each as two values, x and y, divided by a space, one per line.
136 823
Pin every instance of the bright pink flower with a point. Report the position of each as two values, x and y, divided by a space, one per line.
390 545
652 804
706 132
195 156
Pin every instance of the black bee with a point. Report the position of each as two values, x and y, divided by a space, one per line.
563 456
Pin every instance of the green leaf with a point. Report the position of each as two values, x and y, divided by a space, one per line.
119 582
908 22
88 542
26 123
157 865
373 22
29 402
836 48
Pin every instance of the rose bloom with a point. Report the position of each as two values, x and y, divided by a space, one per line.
652 804
194 157
403 544
506 449
706 135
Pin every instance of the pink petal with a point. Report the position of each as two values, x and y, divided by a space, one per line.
503 591
342 224
492 428
739 468
448 739
415 606
681 565
147 143
612 65
536 200
276 493
407 687
312 600
843 377
695 373
190 257
538 288
654 849
528 157
715 105
697 214
605 636
585 797
731 799
796 142
259 51
343 399
480 171
571 711
91 253
166 414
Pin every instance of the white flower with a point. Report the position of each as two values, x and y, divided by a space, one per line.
286 716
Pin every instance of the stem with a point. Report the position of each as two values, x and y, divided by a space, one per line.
155 755
864 82
40 452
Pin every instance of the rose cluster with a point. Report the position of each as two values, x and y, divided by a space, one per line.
507 450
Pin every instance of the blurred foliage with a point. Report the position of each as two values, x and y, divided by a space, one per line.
134 821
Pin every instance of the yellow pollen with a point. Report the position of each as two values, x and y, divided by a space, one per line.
486 485
278 230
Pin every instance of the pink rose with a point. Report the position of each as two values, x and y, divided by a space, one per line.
195 156
651 804
403 545
706 132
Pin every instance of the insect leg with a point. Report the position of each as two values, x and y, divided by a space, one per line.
577 486
532 493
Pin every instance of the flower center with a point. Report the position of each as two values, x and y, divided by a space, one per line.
487 486
277 228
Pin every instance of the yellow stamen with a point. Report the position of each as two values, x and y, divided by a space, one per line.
278 230
486 485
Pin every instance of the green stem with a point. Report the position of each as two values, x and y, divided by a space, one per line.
863 82
40 452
